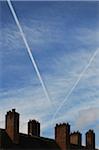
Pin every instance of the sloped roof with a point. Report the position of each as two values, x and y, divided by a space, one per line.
35 142
28 142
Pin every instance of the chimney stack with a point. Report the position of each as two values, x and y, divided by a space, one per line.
33 128
62 135
90 140
76 138
12 125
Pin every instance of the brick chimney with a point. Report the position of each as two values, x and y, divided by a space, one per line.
12 125
33 128
62 135
76 138
90 140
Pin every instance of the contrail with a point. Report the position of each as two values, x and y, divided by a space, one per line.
29 50
75 84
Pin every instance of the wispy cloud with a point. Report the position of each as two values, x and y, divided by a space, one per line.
58 85
87 117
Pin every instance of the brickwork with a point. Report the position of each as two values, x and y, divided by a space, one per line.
90 140
76 138
62 135
12 125
34 128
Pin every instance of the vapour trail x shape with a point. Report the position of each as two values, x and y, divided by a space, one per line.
75 84
29 51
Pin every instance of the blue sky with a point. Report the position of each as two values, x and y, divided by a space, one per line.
63 36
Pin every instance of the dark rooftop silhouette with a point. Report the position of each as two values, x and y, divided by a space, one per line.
11 138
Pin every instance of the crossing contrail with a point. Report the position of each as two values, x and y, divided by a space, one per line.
75 84
29 50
